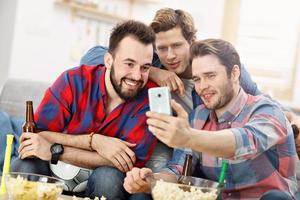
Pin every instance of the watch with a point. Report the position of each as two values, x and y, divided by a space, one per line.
56 150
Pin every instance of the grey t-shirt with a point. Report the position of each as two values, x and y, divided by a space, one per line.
186 102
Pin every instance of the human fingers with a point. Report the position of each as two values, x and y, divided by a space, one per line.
27 152
117 164
131 154
173 84
145 172
137 178
129 184
179 109
127 159
24 144
158 133
180 86
159 116
122 162
25 135
157 123
129 144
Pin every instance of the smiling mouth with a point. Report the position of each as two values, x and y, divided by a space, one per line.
174 65
132 84
207 96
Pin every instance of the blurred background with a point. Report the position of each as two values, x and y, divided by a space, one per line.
39 39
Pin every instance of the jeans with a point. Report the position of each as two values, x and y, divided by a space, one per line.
140 196
275 194
33 165
106 181
161 155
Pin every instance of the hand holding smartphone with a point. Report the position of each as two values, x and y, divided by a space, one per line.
160 100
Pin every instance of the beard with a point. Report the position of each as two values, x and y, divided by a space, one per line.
123 93
225 97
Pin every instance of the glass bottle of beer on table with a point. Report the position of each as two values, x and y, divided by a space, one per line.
186 172
29 124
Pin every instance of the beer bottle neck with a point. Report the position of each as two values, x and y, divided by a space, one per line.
187 167
29 112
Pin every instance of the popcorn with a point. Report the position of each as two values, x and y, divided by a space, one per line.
170 191
22 189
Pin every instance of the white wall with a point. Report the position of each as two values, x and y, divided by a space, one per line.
7 22
208 14
47 40
43 38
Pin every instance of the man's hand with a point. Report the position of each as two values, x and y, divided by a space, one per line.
115 150
167 78
32 144
173 131
135 180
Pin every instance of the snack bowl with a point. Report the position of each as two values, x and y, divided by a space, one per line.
185 187
27 186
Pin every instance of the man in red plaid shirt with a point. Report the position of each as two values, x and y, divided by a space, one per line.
94 116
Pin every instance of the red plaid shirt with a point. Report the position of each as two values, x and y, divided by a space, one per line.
75 104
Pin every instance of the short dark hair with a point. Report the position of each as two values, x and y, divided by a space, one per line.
223 50
168 18
139 30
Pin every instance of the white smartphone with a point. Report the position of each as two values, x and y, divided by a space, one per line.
160 100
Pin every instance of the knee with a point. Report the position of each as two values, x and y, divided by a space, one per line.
106 181
107 176
160 157
33 165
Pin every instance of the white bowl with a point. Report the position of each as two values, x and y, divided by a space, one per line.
26 186
186 187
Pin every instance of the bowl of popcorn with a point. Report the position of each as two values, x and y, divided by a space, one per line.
26 186
185 187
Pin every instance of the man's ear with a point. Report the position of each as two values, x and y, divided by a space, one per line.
235 73
108 60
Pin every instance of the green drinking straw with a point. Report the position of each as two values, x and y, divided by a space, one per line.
221 180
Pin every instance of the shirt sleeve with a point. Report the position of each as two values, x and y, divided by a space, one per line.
247 83
138 132
54 111
155 61
266 128
94 56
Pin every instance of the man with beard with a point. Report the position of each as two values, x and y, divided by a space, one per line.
248 132
96 115
175 32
